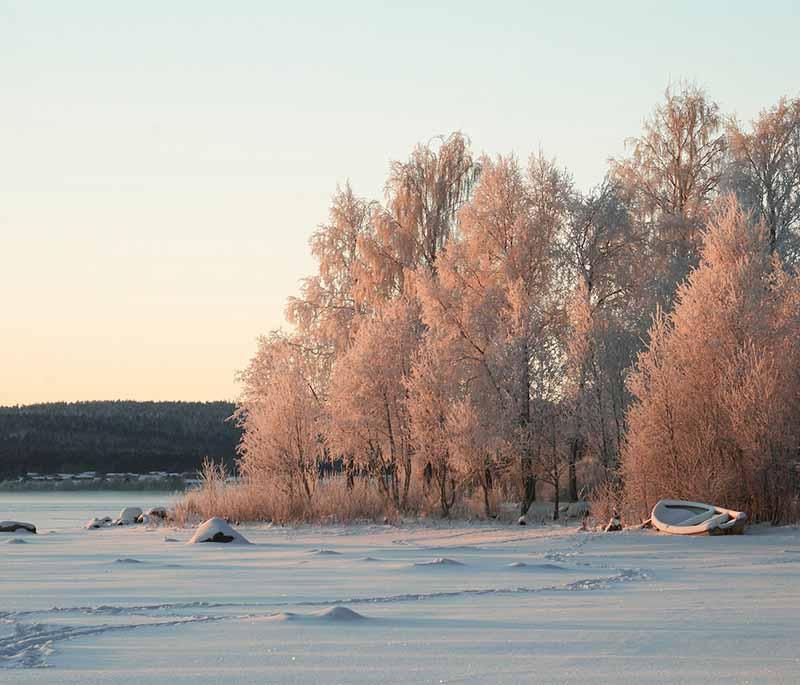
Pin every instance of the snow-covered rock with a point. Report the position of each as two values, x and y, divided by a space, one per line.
98 523
217 530
128 516
16 527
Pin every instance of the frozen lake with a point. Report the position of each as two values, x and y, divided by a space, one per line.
69 510
433 604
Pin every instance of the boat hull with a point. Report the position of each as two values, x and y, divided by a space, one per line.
682 517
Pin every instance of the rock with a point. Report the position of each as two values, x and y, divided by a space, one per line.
98 523
522 521
614 525
158 513
127 516
144 518
217 530
16 527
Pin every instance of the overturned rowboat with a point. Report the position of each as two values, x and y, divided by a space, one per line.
679 517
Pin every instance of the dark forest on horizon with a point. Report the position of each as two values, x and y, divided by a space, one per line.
114 436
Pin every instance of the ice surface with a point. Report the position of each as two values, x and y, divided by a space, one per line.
635 606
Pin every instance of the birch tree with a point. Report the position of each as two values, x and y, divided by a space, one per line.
766 173
282 413
715 416
368 410
670 179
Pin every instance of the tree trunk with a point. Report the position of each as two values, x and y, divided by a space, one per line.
528 485
406 483
487 486
555 503
526 458
445 505
574 456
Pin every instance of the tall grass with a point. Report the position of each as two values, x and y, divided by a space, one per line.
267 500
270 500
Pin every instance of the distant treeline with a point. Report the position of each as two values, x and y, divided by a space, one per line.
114 436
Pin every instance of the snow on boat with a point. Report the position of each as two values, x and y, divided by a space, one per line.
679 517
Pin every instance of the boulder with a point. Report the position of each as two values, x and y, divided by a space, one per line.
127 516
217 530
522 521
16 527
98 523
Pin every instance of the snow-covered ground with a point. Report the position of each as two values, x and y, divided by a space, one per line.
379 604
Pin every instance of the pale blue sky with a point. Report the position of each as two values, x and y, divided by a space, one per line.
162 164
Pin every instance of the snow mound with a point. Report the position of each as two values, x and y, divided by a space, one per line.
16 527
167 539
369 559
217 530
439 561
338 614
16 541
324 552
128 516
537 567
283 616
98 523
127 560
